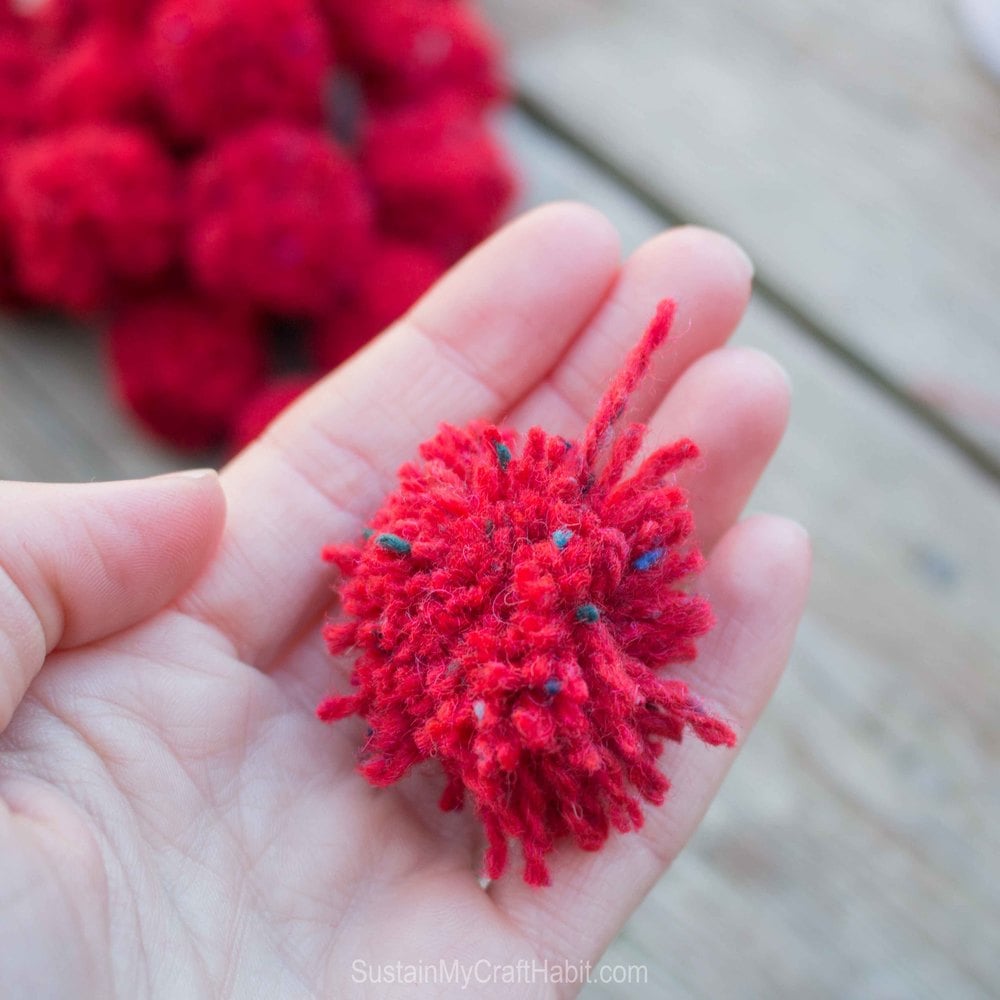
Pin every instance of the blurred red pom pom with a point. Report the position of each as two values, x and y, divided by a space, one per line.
279 219
397 275
11 18
221 66
20 66
184 365
59 22
439 175
10 292
93 209
261 408
101 78
406 50
152 145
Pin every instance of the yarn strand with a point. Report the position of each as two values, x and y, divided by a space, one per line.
612 405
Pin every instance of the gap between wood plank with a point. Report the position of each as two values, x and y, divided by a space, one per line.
671 214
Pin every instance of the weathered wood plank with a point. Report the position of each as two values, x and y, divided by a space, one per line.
58 418
853 851
852 147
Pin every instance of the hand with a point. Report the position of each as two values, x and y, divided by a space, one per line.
175 822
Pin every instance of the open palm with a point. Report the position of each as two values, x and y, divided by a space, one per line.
174 822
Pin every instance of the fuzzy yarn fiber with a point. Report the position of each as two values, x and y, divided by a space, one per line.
510 609
303 168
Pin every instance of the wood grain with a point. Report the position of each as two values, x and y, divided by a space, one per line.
852 147
59 421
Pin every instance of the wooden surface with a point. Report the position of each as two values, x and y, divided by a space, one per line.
851 146
58 418
855 850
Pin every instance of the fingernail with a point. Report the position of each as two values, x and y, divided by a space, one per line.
745 257
195 473
722 240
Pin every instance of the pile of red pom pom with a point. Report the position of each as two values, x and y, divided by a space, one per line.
207 172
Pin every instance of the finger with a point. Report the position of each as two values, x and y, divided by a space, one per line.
733 403
708 276
757 581
474 345
81 562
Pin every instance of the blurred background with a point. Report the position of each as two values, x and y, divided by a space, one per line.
854 149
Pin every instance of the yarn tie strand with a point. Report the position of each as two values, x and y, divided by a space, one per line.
612 405
510 609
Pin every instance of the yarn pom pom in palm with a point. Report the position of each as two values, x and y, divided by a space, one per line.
512 605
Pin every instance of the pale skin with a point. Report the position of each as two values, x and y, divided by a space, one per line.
174 821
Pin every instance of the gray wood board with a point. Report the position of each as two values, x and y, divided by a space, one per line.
59 417
852 147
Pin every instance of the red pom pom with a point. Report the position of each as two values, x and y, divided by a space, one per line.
411 49
104 102
221 66
92 209
511 608
265 405
58 22
20 66
184 365
280 220
11 18
439 175
10 294
101 78
397 275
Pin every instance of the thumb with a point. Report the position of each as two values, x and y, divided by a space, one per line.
81 562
